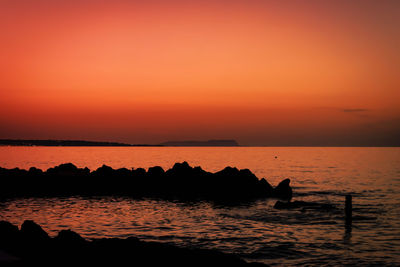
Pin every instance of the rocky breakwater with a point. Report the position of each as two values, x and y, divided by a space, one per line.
32 246
180 182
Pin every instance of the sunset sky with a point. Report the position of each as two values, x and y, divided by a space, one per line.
261 72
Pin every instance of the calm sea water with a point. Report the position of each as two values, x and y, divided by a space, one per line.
255 231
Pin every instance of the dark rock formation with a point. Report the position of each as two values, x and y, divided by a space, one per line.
180 182
9 233
32 231
283 190
70 249
70 237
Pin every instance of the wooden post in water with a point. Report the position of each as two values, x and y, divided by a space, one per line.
348 209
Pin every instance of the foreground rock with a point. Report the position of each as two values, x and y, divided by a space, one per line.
180 182
30 247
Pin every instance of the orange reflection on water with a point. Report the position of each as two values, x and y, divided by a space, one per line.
255 230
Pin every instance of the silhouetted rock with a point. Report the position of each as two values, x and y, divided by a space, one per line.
267 187
35 171
63 168
122 172
70 249
7 228
70 237
283 190
9 233
32 231
180 182
180 168
104 170
155 171
139 172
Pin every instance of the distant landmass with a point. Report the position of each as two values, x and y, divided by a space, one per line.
201 143
23 142
12 142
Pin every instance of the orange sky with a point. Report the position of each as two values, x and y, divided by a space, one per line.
260 72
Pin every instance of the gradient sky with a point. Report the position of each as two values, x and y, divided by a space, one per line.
261 72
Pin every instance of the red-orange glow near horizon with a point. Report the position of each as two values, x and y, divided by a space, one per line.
256 71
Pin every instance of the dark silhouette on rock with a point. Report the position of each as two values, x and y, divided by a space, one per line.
180 182
70 249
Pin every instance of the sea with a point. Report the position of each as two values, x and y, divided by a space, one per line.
254 231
